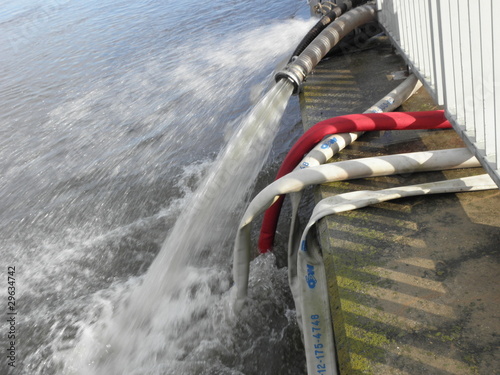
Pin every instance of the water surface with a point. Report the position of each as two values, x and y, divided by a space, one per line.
113 112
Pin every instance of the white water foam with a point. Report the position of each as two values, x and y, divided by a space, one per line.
189 275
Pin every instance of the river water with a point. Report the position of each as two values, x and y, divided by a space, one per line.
113 114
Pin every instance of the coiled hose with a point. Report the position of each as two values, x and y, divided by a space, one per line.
344 124
344 170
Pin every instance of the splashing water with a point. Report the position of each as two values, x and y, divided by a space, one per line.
114 112
205 221
180 285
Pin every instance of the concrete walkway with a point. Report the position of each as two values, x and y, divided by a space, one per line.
413 282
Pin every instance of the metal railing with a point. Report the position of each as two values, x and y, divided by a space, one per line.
450 46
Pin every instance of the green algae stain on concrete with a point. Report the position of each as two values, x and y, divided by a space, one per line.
368 347
361 340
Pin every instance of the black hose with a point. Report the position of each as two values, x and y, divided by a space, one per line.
316 29
334 12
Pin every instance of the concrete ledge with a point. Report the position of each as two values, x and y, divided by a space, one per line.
413 282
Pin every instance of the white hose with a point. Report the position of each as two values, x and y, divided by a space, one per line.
311 281
358 199
350 169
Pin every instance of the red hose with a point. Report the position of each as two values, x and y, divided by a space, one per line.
343 124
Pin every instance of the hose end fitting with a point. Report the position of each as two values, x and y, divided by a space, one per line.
292 76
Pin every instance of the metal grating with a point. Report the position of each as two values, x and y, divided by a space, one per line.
450 46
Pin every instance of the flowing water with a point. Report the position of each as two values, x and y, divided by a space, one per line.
119 198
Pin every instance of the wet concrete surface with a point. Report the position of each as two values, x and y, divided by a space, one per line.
413 282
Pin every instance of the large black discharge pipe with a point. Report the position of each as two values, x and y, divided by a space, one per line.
332 12
299 68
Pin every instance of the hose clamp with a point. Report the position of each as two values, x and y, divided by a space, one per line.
293 76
